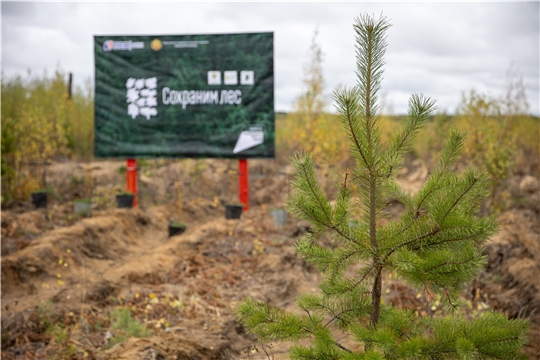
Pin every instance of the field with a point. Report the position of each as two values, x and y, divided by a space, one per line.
115 286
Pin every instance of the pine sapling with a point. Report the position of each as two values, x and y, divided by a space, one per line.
435 246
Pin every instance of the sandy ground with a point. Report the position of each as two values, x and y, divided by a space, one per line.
73 272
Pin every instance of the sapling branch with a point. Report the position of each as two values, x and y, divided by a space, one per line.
334 227
312 188
357 282
445 263
460 197
426 196
433 232
328 226
342 347
353 134
345 181
338 315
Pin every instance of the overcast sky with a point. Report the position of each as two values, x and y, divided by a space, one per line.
439 49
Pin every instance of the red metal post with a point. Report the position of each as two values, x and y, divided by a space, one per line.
131 178
243 183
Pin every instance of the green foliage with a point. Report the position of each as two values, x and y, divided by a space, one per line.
492 144
502 141
55 328
308 125
45 313
124 326
40 123
434 245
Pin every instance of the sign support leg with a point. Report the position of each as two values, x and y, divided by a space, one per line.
243 183
131 178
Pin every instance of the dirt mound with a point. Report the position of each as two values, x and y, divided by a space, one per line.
63 256
192 340
63 277
514 268
185 288
514 255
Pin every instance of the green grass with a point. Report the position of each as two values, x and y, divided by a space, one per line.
124 326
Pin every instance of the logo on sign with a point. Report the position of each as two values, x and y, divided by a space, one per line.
247 77
111 45
214 78
141 97
108 45
231 77
156 45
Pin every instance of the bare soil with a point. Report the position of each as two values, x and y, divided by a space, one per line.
63 275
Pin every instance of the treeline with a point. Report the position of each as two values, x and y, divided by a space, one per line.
503 138
500 143
41 123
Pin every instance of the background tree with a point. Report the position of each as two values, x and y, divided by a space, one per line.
40 123
308 124
493 124
435 245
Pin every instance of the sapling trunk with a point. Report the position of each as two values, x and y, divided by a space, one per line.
376 291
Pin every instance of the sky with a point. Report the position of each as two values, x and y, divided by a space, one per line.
439 49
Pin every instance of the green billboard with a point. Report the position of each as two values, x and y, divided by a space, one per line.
199 96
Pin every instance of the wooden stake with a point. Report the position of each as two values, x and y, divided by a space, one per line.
324 177
231 189
89 181
180 208
69 86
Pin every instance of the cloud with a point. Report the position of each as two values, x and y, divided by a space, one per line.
439 49
17 9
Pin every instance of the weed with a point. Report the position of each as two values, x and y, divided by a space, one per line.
124 327
45 314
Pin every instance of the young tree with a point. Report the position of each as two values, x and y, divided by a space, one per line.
307 126
40 123
493 123
434 246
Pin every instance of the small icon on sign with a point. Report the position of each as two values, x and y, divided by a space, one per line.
247 77
108 45
231 77
248 139
214 78
156 45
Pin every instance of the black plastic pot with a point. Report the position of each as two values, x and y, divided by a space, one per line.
233 211
125 200
39 199
176 228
